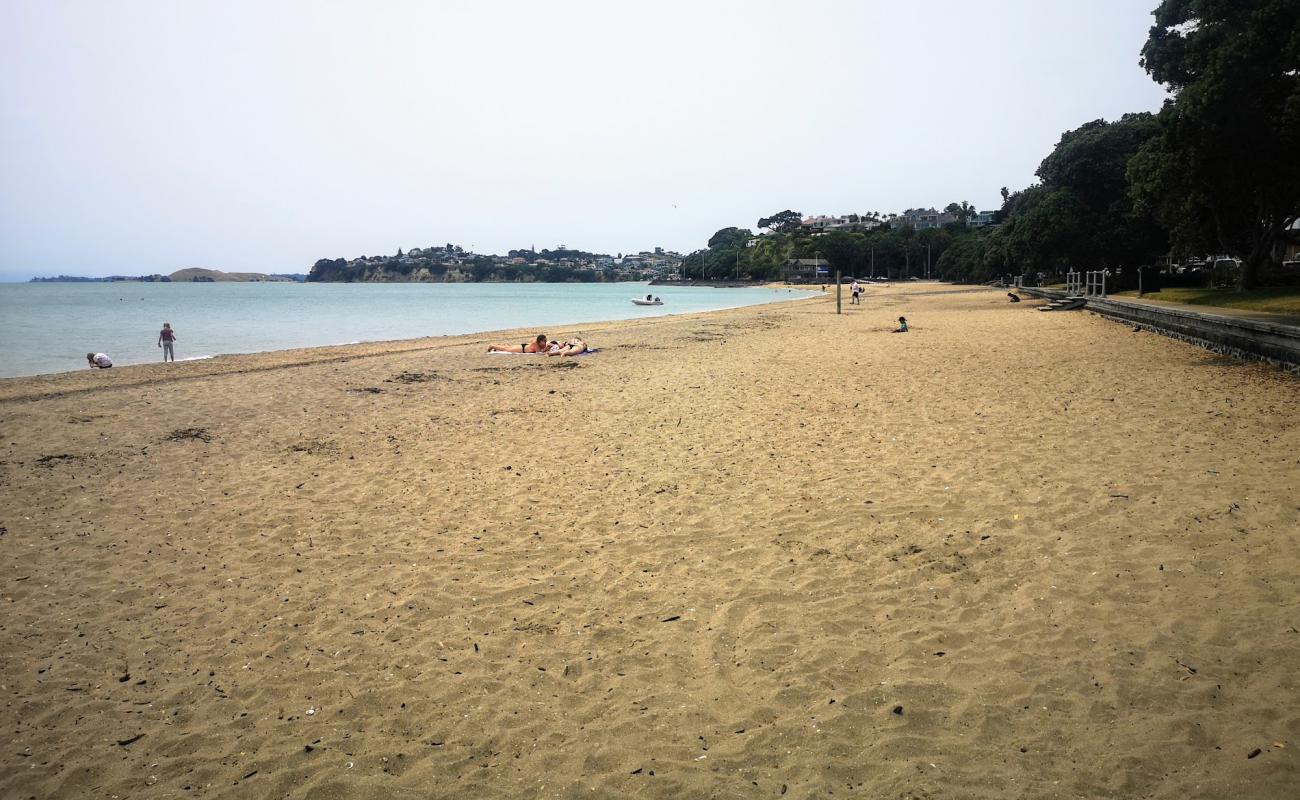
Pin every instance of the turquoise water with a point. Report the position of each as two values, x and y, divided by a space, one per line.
49 327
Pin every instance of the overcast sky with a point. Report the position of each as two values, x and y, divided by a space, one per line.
140 137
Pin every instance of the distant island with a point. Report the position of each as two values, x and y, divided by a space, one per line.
453 264
187 275
202 275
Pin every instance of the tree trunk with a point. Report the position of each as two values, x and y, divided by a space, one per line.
1261 254
1249 273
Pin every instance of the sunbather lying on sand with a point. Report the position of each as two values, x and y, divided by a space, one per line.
537 345
572 347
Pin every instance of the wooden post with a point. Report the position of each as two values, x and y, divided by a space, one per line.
838 291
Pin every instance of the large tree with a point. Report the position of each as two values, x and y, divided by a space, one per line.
1091 163
730 238
1226 156
963 211
842 251
782 221
726 254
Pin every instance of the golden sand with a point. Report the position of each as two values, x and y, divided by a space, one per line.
741 554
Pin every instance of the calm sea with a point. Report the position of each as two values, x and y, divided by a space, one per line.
49 327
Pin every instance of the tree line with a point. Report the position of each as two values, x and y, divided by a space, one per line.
477 268
1216 170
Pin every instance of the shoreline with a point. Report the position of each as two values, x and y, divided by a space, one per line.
81 380
638 312
751 550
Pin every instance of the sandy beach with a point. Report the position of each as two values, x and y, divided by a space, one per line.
762 552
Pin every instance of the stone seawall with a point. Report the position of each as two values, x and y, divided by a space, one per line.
1238 337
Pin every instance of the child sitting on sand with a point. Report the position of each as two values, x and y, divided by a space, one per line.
902 325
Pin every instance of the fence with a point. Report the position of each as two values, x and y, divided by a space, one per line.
1094 284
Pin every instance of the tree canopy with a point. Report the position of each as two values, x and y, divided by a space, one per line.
963 211
783 221
1224 168
1217 168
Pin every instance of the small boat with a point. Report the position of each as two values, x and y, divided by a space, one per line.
641 301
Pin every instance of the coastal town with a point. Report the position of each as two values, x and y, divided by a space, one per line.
453 263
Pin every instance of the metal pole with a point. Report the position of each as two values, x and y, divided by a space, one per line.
927 262
873 262
838 292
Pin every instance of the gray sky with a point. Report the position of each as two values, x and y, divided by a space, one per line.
140 137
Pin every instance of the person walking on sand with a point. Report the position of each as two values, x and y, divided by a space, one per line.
167 337
99 361
537 345
856 291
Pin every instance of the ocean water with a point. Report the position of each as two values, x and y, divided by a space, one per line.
49 327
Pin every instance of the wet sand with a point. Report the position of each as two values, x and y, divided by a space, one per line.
751 553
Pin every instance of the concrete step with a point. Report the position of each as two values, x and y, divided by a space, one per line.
1068 304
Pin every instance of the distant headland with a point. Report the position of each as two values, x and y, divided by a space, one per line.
186 275
453 264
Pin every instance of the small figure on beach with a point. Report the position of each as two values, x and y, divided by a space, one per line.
166 337
537 345
572 347
856 292
1015 298
99 361
902 326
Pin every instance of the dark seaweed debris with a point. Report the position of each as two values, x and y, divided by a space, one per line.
186 434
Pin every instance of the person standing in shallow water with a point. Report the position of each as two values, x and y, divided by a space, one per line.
166 337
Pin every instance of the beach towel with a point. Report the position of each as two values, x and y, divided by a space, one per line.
586 352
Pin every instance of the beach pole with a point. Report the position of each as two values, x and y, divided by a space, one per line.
838 291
